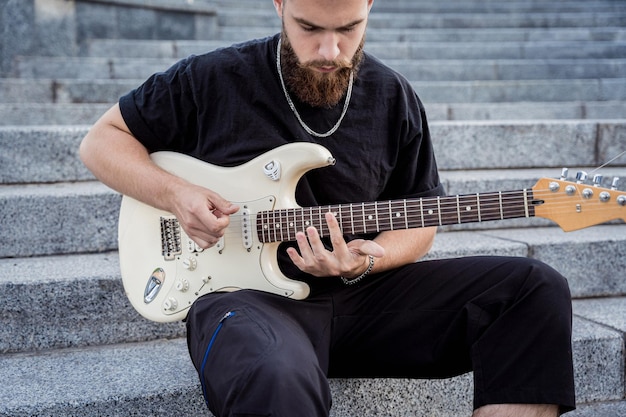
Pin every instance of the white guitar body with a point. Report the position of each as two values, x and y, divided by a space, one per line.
164 272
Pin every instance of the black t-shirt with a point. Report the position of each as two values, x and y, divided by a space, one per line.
227 107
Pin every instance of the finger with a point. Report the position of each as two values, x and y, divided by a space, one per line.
304 246
336 235
315 242
222 206
295 257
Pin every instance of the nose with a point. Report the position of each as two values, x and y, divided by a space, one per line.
329 46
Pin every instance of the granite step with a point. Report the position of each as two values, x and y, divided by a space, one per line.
45 114
427 70
56 90
452 19
119 380
507 91
77 300
538 144
471 35
430 6
53 114
136 49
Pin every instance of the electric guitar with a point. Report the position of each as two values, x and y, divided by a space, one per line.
164 272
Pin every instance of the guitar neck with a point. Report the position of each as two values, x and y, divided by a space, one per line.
374 217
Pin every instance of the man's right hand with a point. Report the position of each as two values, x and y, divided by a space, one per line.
203 214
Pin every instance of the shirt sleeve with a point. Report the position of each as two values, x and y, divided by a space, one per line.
416 174
162 112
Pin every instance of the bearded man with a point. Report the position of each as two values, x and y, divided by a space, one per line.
372 311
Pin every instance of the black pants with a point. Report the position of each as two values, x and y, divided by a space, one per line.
506 319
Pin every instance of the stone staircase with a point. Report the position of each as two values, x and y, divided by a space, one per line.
514 90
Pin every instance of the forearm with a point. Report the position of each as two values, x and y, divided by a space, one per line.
121 162
403 247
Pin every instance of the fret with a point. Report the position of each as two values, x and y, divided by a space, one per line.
516 205
385 220
448 210
352 218
376 216
370 218
478 206
340 218
527 208
318 221
525 202
397 214
430 212
489 207
363 216
294 222
272 226
439 209
501 208
406 216
279 226
469 208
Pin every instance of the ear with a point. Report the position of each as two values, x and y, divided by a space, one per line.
278 5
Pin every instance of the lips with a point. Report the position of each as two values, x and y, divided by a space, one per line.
326 70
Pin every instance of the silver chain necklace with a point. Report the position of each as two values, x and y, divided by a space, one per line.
293 107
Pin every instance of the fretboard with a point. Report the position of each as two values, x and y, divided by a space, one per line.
363 218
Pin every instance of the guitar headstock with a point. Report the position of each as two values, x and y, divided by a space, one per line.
576 205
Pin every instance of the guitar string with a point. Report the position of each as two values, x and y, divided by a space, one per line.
608 162
491 206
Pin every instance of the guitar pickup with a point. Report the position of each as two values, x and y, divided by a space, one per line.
193 247
246 229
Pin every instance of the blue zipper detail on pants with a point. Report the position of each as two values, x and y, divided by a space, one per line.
208 349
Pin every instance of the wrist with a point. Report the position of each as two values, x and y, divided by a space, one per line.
354 280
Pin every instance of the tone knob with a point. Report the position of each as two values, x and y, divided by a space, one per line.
182 285
170 304
190 263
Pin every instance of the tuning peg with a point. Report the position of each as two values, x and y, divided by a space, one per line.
597 180
614 183
581 176
564 172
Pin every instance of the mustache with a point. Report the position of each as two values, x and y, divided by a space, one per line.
339 64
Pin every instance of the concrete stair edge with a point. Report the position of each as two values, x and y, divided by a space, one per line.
67 91
63 301
43 114
539 143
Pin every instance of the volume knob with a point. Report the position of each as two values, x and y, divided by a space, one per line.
190 263
182 285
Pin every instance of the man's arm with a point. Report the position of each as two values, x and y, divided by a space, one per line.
120 161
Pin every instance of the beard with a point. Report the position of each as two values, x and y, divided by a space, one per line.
312 87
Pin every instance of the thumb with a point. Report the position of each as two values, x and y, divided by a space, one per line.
224 206
369 247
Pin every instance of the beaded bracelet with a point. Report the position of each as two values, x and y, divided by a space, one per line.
353 281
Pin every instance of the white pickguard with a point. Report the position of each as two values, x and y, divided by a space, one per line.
240 260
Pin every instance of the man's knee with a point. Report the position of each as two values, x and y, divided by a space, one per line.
282 382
